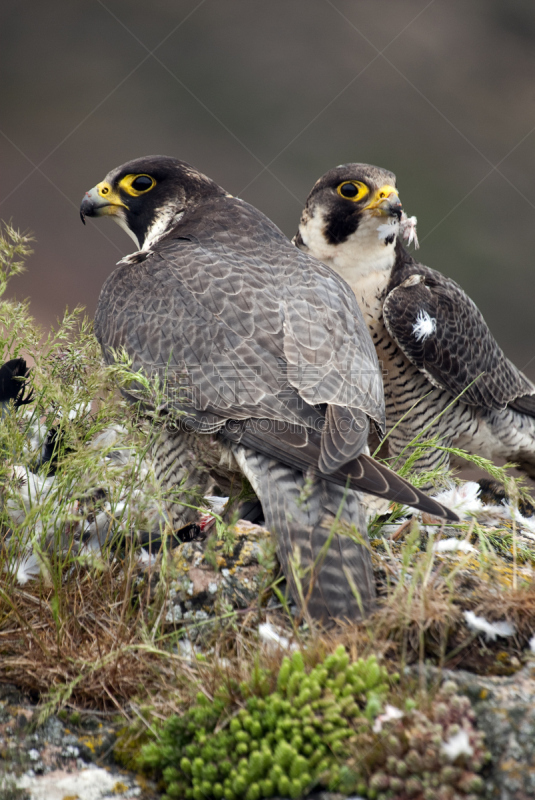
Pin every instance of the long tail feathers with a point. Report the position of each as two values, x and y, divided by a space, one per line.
365 473
318 526
396 488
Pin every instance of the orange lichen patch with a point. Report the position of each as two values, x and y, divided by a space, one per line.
512 767
91 742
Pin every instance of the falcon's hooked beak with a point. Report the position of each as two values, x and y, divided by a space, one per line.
385 203
100 200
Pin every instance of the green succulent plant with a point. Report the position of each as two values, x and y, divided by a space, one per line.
413 757
282 743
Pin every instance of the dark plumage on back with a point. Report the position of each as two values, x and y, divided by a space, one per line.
264 352
461 353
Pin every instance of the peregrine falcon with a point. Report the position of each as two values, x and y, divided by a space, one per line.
444 373
259 364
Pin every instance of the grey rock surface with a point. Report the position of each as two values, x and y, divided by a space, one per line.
505 711
71 757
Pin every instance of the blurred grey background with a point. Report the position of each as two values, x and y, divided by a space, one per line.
264 98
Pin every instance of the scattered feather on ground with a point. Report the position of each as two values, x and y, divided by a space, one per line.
490 629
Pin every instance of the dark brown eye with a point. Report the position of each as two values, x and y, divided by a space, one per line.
142 183
348 190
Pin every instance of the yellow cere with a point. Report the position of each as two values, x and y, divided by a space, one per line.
104 189
382 194
112 198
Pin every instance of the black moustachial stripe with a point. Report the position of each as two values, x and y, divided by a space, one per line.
340 225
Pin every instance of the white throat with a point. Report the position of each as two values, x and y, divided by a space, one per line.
363 252
166 217
120 219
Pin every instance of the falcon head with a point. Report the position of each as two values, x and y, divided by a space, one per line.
148 196
352 212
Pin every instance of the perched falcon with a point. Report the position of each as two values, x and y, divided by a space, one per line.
444 373
260 364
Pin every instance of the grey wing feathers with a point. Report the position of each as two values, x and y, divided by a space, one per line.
200 309
300 449
197 305
525 404
443 333
347 431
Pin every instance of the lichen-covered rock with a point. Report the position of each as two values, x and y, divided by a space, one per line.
220 574
59 758
505 713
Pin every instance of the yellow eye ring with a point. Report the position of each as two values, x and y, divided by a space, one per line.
352 190
135 185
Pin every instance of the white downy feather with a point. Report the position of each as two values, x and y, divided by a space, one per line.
490 629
